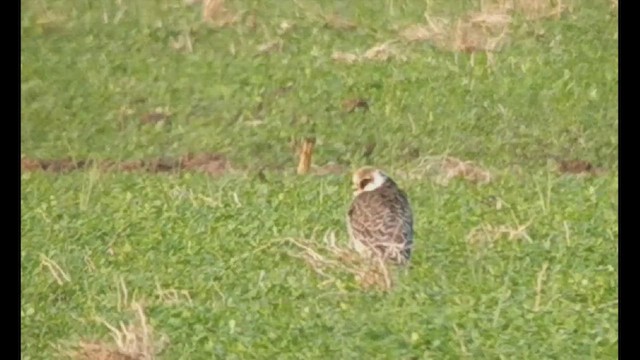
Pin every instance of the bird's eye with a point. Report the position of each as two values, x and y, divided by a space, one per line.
364 182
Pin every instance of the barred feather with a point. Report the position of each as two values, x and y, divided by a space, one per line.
380 222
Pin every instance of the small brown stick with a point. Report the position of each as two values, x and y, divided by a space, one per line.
305 155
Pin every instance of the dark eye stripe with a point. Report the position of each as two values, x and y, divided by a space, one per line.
364 183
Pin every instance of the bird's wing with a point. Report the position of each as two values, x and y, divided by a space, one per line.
372 217
407 215
364 218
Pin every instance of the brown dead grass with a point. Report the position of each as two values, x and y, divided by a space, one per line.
134 341
210 163
488 234
479 31
485 30
381 52
530 9
59 275
213 164
436 30
578 168
270 46
331 261
99 351
173 296
215 12
182 42
327 19
538 9
345 57
50 21
155 117
285 26
337 22
56 165
351 105
443 169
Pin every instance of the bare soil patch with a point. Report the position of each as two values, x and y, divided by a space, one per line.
351 105
213 164
155 117
578 167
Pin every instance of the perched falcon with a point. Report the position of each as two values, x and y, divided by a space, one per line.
380 220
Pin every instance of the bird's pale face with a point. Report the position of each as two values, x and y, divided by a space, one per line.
367 179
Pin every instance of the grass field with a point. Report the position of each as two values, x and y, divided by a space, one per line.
523 266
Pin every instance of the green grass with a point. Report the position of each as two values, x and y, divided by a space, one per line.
223 240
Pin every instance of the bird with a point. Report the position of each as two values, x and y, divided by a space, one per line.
380 219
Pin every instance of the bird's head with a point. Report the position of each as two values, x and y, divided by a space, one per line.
367 179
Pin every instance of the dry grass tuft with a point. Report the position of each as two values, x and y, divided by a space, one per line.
331 260
344 57
481 31
488 234
383 52
443 169
337 22
173 296
485 30
285 26
529 9
132 342
98 351
436 31
215 13
59 275
538 9
49 20
380 52
270 46
182 42
327 19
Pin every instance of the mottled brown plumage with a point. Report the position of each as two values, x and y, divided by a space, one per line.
380 220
